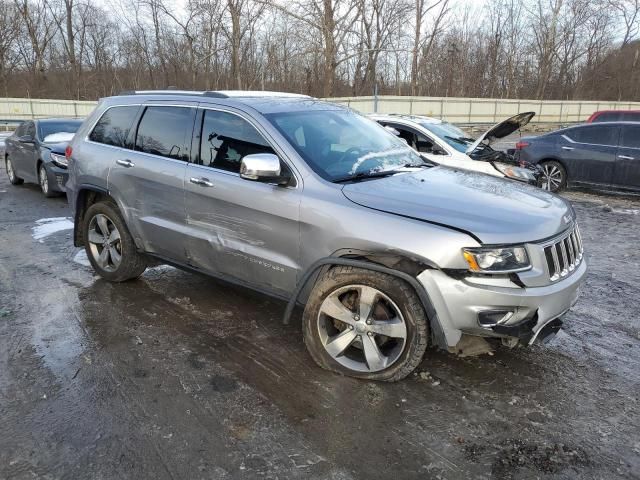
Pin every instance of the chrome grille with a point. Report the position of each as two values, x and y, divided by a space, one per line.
564 254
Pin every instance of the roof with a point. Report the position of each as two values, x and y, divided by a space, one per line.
61 119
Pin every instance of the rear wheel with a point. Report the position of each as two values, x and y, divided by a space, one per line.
365 324
11 173
110 248
554 176
43 180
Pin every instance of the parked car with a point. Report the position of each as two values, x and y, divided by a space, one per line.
35 153
614 116
601 155
446 144
3 137
311 202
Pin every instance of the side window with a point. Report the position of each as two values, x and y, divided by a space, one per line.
227 138
630 136
597 135
405 134
20 130
114 125
424 143
30 129
162 131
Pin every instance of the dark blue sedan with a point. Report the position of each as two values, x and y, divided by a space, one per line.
36 153
596 155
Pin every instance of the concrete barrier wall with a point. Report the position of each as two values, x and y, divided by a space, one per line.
455 110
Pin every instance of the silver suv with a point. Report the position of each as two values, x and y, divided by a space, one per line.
315 204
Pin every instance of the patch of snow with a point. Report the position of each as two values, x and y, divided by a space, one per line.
48 226
81 258
59 137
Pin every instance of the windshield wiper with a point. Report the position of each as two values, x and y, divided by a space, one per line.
364 175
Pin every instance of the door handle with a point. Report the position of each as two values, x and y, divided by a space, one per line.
625 157
126 163
203 182
567 148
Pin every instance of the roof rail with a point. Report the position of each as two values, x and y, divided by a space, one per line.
174 92
216 94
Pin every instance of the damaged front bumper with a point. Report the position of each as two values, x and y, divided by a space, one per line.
499 308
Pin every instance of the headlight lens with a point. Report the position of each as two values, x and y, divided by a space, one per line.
59 160
516 173
497 260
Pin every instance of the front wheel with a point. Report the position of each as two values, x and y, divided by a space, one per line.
110 248
43 180
365 324
11 173
554 176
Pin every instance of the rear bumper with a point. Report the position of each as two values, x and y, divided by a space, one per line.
458 303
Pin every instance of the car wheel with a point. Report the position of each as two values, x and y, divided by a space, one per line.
109 245
43 180
11 173
554 176
365 324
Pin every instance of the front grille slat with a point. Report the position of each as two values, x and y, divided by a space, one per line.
564 255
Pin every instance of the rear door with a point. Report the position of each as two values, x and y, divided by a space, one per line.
148 178
589 153
239 229
627 169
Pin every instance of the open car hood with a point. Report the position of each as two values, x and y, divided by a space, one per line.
503 129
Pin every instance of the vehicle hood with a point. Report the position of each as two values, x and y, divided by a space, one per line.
56 147
503 129
494 210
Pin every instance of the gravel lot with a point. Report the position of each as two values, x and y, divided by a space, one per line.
180 376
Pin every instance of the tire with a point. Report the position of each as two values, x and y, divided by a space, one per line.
43 180
554 176
340 291
122 261
11 173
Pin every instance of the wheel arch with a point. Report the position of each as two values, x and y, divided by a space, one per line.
87 195
406 265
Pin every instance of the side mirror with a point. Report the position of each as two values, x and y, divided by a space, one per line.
263 167
26 139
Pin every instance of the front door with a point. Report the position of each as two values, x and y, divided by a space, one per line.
589 153
25 155
627 170
243 230
148 178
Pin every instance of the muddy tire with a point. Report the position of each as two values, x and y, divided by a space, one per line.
11 173
109 245
365 324
554 176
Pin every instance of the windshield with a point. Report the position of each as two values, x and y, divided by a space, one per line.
63 126
450 134
338 144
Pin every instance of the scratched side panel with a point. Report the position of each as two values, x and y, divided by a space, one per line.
243 229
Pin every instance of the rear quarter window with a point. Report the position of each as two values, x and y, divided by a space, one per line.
114 126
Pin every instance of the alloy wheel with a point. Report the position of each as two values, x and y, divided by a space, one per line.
44 180
104 243
362 328
10 172
551 177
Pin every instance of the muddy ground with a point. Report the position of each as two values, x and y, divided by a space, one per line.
180 376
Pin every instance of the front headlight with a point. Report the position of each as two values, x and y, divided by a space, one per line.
59 160
516 173
497 260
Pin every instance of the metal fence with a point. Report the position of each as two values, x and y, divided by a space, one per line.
455 110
